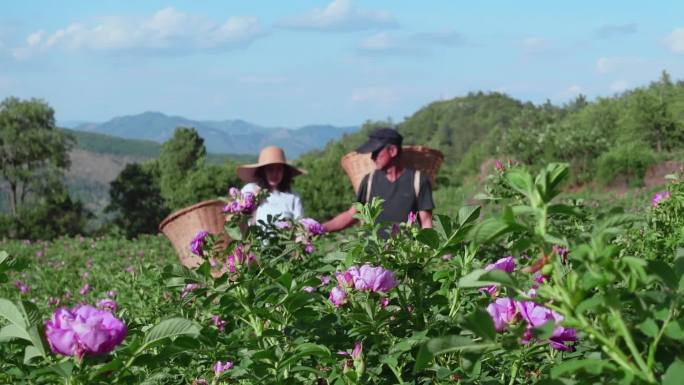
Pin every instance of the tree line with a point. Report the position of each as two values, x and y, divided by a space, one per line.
621 135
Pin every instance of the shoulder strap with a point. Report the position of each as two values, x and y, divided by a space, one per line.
416 183
369 185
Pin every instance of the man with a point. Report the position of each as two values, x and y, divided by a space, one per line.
392 182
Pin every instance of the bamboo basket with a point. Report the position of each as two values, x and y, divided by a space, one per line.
425 159
181 227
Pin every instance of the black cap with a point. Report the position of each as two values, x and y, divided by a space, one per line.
380 138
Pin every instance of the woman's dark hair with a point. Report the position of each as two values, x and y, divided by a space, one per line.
285 184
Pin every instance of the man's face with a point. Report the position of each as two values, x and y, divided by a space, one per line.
383 156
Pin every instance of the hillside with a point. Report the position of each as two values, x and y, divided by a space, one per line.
609 143
227 136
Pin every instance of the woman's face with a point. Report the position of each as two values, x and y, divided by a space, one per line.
274 174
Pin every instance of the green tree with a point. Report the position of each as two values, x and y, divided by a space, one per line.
30 144
181 155
136 201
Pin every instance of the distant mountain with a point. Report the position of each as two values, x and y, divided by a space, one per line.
227 136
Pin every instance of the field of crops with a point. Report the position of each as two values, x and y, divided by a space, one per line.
540 290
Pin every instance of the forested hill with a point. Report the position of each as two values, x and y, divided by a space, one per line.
612 138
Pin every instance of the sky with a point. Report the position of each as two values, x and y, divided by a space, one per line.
342 62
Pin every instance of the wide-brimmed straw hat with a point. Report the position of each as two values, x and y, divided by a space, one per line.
268 155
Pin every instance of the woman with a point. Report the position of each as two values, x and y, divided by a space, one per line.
274 174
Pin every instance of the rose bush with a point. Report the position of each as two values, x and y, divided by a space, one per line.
539 290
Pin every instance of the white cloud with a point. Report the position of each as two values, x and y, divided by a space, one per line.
675 40
375 95
443 37
340 15
535 45
619 86
609 30
381 41
574 89
166 31
606 65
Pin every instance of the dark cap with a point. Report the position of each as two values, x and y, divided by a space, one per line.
380 138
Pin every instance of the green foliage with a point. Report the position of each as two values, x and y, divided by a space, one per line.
180 156
30 145
136 201
629 161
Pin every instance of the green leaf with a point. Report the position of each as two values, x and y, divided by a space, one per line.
649 327
674 374
304 350
11 331
664 272
429 237
11 312
544 331
170 328
437 346
234 232
487 230
520 180
442 224
480 323
467 214
675 330
480 278
561 209
591 365
3 256
30 353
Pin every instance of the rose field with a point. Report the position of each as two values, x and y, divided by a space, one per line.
530 287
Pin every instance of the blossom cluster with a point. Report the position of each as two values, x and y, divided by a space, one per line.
238 258
364 278
84 330
239 202
659 197
310 228
197 243
506 264
506 311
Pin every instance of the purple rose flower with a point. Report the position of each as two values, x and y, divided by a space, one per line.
338 296
537 315
222 367
346 279
503 311
23 288
85 289
218 322
189 288
197 243
312 226
107 304
358 350
412 218
384 302
309 247
325 279
52 301
369 278
506 264
659 197
40 253
84 330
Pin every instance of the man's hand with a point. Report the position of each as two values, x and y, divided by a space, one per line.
341 221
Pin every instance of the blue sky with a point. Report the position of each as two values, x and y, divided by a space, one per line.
290 63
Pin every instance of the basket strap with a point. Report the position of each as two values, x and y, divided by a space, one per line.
416 184
369 185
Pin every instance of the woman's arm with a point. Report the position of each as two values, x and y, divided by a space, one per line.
341 221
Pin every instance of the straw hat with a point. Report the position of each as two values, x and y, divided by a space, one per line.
268 155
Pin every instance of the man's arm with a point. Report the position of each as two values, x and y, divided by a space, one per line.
425 219
341 221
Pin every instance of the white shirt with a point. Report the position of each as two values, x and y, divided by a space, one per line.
287 205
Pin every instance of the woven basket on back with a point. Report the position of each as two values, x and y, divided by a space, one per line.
422 158
181 226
